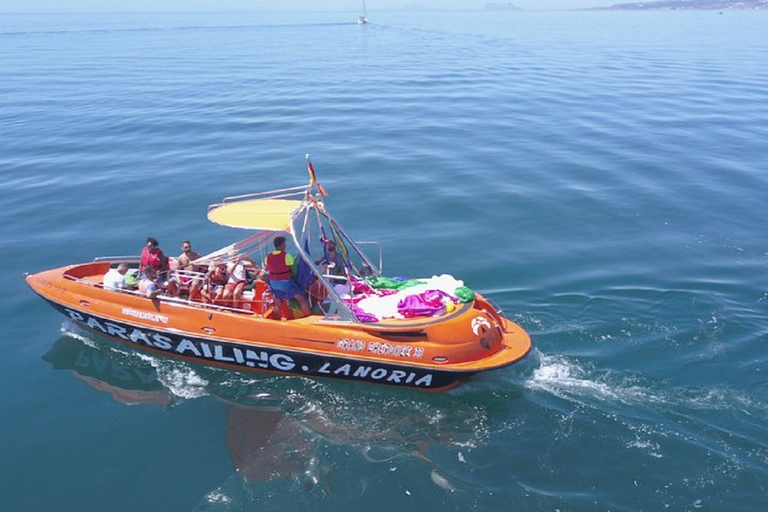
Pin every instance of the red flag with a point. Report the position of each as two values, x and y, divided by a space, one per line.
312 178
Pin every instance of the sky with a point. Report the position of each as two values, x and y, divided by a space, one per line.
274 5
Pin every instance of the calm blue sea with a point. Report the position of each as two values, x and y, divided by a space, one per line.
603 176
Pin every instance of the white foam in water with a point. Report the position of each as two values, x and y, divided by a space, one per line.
217 497
441 481
74 330
569 381
566 379
183 382
558 376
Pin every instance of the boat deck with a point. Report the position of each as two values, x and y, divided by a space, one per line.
92 274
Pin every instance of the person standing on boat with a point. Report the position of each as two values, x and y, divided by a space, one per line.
278 265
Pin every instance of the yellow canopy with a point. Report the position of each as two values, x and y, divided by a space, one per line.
264 214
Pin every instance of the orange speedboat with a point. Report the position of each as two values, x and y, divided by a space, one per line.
425 333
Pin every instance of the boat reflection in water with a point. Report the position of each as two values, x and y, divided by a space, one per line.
130 384
264 442
318 440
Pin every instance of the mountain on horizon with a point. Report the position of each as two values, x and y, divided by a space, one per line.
676 5
501 6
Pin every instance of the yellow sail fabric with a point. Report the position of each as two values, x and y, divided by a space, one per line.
262 214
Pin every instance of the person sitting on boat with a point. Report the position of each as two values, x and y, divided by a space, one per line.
213 287
187 256
332 262
150 282
115 279
187 282
317 294
278 265
237 278
152 255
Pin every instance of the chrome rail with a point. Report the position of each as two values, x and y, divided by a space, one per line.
163 298
125 259
271 194
364 243
495 306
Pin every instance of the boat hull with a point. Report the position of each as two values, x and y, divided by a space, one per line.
428 354
244 356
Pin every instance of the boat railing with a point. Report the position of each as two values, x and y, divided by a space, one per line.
118 259
177 300
271 194
377 245
163 298
189 274
203 305
495 306
494 309
334 277
192 303
194 274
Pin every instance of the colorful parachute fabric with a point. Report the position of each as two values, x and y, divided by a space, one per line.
382 297
392 283
429 303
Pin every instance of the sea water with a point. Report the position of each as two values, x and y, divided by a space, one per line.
600 175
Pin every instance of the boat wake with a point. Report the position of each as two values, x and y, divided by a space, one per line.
539 376
654 418
438 440
179 378
74 330
566 379
576 382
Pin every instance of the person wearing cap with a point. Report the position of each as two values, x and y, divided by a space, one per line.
332 263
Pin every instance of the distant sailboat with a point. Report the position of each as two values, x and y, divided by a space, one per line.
362 20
